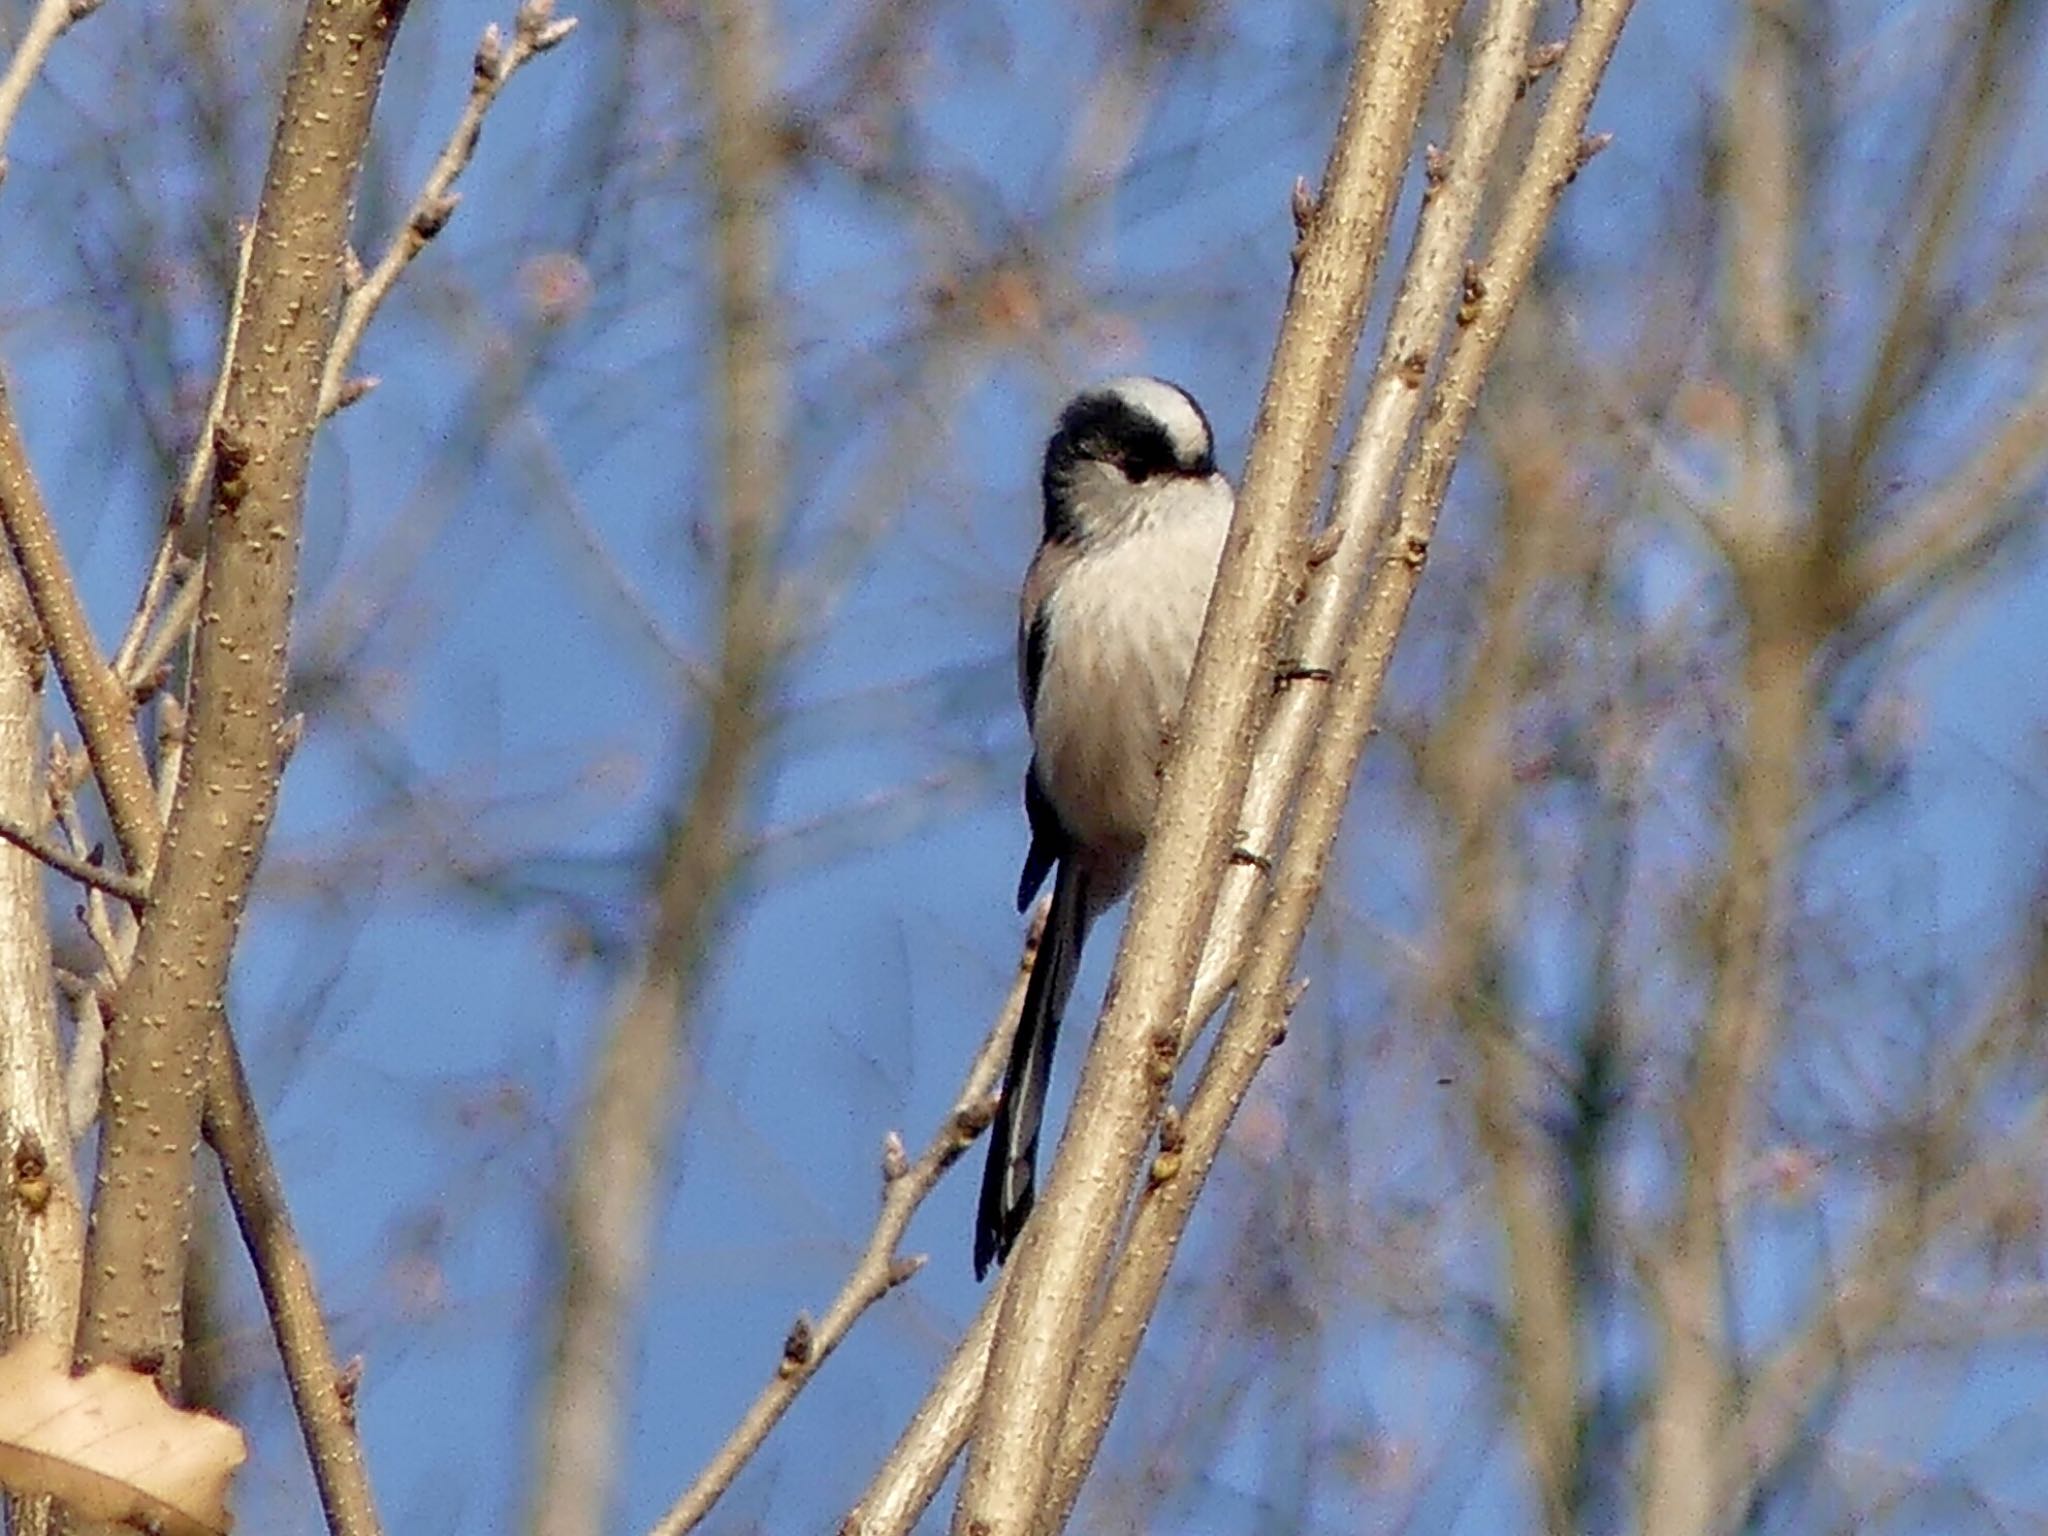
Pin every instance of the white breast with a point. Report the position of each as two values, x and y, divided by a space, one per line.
1120 639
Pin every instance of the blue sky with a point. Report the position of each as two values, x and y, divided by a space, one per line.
422 1042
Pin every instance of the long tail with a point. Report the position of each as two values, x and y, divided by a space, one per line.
1007 1182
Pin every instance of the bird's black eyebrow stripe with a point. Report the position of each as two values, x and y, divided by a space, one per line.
1108 429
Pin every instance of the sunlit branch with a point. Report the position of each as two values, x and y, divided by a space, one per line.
878 1270
50 21
1067 1247
1266 991
534 31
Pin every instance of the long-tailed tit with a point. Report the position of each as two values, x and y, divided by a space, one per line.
1135 518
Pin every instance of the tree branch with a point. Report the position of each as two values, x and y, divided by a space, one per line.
1848 1321
171 1008
1066 1248
1970 113
1347 549
323 1395
610 1186
104 710
1772 544
534 32
42 1219
52 19
1471 771
911 1474
1265 991
1964 515
98 876
142 652
878 1270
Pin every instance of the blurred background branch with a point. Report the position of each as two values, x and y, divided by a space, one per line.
1664 1087
643 1069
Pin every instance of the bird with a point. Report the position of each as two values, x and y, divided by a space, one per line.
1112 607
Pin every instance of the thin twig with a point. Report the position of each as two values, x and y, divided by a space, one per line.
52 19
1846 1323
175 625
1771 537
878 1270
42 1219
112 881
534 31
1969 112
323 1393
102 707
1962 516
132 663
111 928
1470 777
911 1474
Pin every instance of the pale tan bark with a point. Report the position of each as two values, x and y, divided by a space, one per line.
1063 1257
104 710
1769 532
879 1269
612 1183
1265 990
170 1011
42 1219
1470 762
1319 754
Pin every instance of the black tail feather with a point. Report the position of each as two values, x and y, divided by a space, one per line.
1008 1182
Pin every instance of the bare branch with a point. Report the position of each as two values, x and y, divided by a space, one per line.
1965 515
878 1270
1769 538
172 1019
1470 770
1265 992
112 929
909 1477
131 662
1065 1250
1914 1213
323 1393
42 1219
1970 113
52 19
1350 545
609 1188
534 32
113 882
103 708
